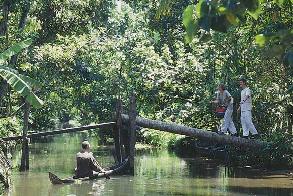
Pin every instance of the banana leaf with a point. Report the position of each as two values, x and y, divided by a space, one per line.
20 84
14 49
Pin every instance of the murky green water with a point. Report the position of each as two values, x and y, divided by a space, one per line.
157 173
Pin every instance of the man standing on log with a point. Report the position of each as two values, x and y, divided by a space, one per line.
86 164
246 107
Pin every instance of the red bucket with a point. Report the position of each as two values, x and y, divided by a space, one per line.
220 111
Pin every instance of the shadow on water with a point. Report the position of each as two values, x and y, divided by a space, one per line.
158 172
260 190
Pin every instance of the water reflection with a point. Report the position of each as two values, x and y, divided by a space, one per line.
158 172
84 188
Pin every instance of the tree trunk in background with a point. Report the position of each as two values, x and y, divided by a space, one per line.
4 21
117 133
25 149
288 75
4 32
3 91
22 22
25 10
132 130
290 118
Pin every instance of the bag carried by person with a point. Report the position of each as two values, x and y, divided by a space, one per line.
220 111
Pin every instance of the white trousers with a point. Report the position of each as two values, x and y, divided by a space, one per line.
246 122
228 123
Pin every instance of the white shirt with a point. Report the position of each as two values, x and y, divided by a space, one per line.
246 101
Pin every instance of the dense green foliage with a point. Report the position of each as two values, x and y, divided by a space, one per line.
87 53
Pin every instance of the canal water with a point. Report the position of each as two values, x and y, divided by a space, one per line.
157 172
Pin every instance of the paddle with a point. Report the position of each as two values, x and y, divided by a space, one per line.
106 175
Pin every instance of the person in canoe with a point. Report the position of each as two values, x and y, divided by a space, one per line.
86 164
87 167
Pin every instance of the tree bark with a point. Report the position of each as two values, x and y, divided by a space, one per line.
4 32
132 129
25 151
194 132
22 22
117 132
4 20
25 10
3 90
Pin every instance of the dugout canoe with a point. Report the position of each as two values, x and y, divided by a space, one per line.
116 169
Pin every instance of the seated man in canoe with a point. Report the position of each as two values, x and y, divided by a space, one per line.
86 164
88 168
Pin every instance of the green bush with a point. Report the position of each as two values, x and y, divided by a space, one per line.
157 138
9 126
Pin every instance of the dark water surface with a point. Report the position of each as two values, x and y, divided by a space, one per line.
158 172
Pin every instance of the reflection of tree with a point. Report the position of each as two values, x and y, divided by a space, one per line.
123 185
93 187
202 168
160 164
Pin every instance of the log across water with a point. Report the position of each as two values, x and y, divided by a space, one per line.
194 132
60 131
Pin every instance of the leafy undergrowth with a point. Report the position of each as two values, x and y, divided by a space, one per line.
157 138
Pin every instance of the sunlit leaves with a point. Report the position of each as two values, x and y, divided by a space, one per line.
280 3
164 8
255 14
218 16
280 41
232 18
210 14
222 10
260 40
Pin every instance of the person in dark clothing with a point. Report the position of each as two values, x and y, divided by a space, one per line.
86 164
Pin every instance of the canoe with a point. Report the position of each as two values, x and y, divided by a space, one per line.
111 171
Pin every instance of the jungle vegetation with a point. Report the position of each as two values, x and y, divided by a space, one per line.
72 59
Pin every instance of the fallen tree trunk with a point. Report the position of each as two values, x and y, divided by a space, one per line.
194 132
